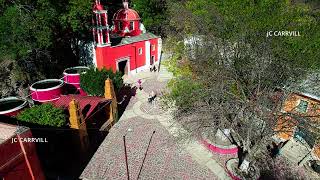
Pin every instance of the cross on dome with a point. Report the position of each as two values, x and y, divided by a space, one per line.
125 4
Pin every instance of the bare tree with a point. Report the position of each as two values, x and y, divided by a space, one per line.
236 84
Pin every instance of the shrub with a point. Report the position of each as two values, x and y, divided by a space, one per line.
93 80
44 114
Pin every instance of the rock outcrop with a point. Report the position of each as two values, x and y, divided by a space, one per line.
15 79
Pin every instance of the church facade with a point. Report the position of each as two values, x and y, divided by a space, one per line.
125 45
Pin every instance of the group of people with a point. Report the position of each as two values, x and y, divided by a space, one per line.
153 68
152 96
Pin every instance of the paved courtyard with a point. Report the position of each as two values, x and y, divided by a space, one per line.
165 159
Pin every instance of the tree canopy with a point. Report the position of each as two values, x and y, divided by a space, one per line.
228 71
153 14
39 29
93 81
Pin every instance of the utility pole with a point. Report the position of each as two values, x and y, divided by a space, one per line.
126 156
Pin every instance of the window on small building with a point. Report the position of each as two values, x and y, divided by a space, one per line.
302 106
140 51
131 26
153 47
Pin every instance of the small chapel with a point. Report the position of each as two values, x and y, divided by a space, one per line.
124 45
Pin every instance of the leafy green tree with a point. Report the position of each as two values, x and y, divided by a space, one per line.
93 81
41 34
25 26
77 18
44 114
153 14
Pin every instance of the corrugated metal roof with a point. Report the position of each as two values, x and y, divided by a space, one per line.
310 96
93 101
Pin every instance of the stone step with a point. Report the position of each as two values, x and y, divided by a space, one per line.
294 151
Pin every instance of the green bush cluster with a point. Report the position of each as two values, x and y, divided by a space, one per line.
93 80
44 114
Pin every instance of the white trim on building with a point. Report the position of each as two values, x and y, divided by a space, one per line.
147 53
94 58
159 48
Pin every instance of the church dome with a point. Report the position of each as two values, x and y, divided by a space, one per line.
126 15
126 21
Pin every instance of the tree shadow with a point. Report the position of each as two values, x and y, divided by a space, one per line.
267 175
124 96
70 89
85 110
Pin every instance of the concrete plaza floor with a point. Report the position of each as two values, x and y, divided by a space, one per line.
166 158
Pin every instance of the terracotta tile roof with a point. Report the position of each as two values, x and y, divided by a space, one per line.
93 101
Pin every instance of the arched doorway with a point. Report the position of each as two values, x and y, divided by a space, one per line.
123 66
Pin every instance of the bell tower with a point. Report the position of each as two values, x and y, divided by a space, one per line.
100 29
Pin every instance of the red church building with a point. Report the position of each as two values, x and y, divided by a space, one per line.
125 46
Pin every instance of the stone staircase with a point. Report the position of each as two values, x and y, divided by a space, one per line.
164 74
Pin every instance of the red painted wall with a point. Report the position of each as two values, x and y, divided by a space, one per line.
13 163
107 56
155 52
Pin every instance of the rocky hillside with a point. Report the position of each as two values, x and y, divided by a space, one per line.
15 78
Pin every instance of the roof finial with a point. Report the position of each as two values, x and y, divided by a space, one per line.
97 1
125 4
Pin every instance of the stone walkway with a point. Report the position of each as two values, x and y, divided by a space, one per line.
165 159
157 82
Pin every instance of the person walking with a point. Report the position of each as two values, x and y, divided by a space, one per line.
149 98
154 68
139 84
153 97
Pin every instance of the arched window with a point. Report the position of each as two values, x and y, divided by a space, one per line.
120 25
131 26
